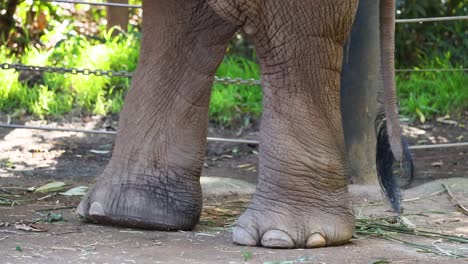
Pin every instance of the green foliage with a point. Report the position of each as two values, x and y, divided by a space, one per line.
236 102
58 94
428 94
431 39
247 255
49 218
46 34
422 95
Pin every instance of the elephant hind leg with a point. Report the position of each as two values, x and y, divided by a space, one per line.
152 180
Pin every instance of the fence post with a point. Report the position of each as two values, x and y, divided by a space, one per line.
359 85
118 16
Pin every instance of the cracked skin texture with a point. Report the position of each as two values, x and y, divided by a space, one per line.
152 180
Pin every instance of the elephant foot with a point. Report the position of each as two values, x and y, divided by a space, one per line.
158 203
277 226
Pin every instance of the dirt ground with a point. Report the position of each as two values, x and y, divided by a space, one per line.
31 158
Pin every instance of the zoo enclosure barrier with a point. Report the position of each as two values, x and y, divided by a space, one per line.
222 80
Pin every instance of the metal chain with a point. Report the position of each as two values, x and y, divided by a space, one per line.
22 67
238 81
125 74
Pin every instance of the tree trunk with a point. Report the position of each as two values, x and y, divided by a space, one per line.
118 16
360 83
7 22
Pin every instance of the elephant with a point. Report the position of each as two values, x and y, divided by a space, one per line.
301 199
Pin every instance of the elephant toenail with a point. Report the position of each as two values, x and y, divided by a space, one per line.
80 210
242 237
96 209
316 240
277 239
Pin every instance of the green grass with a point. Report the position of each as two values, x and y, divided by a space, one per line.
425 95
58 94
422 95
236 103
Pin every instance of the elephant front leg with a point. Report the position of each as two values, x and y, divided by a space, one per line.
152 180
301 198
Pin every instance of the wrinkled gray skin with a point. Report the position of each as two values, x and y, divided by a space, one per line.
301 200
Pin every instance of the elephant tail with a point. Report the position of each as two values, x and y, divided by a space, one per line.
390 170
394 161
387 53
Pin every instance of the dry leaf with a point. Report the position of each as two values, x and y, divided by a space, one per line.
101 152
51 187
31 228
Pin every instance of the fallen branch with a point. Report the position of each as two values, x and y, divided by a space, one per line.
10 232
387 228
55 208
460 206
